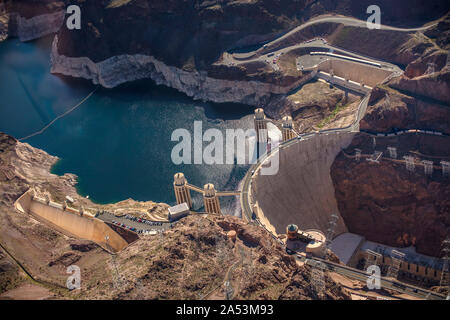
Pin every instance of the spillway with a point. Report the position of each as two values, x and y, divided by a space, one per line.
70 222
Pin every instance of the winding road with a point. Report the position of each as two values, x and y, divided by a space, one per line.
271 48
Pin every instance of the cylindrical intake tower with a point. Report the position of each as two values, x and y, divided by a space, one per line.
210 199
182 193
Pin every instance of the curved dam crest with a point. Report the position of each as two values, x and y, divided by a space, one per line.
302 191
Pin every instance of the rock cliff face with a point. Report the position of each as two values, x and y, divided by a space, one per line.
197 84
190 37
30 19
383 201
390 110
388 204
35 27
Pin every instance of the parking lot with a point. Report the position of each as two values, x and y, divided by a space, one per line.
135 224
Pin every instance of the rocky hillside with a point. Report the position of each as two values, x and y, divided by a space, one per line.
421 96
388 204
33 244
385 202
391 110
195 258
190 261
197 32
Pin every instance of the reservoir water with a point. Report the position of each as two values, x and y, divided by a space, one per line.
118 142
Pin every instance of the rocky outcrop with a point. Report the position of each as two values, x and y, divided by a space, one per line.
35 27
435 86
389 110
197 84
386 203
30 19
195 258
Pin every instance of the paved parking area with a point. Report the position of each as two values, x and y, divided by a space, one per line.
139 226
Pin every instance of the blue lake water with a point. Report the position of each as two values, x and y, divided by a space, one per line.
119 141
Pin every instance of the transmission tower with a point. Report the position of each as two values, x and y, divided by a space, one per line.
357 154
330 234
221 248
387 102
117 278
428 167
396 259
228 290
409 163
317 276
445 281
392 152
431 67
445 168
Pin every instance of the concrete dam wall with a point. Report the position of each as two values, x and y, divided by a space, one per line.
302 191
70 222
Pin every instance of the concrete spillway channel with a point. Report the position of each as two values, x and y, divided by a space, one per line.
302 191
71 223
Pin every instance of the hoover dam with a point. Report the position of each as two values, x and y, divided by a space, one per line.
302 191
71 222
353 116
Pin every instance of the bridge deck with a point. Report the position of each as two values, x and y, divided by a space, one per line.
218 193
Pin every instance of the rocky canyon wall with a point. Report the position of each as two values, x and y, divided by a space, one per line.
35 27
197 84
386 203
